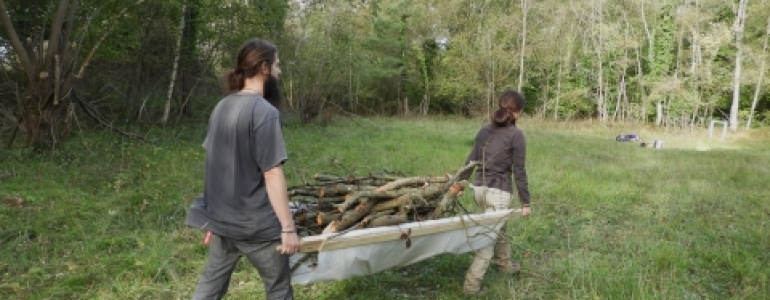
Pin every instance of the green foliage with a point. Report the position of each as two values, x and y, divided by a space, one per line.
374 57
271 15
576 104
230 25
454 86
387 52
664 56
30 17
103 218
322 61
765 117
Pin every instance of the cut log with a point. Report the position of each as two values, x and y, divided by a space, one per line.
390 204
327 178
408 199
354 198
300 217
373 214
401 197
454 178
332 178
413 181
331 228
353 216
350 200
302 191
330 200
449 197
413 204
324 218
339 189
387 220
339 203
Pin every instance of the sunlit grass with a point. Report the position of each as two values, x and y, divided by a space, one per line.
103 218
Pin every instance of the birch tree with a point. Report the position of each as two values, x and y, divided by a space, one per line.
523 46
740 21
761 78
598 32
175 67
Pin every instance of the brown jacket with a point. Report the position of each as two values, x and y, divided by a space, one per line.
502 152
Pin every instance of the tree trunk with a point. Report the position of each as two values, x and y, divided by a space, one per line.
50 72
40 108
650 58
643 110
567 61
190 67
621 92
170 93
558 91
16 45
650 35
601 106
740 21
547 92
694 62
761 77
524 11
139 66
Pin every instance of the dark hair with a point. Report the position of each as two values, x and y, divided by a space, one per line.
251 56
510 102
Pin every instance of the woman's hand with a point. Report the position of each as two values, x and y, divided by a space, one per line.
525 211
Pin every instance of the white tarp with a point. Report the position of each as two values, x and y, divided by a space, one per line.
348 255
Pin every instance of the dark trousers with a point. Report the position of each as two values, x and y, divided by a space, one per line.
224 253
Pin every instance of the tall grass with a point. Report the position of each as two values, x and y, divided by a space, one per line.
103 217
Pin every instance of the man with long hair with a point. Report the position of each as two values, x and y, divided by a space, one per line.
244 209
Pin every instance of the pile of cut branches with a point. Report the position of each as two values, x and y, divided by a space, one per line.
334 203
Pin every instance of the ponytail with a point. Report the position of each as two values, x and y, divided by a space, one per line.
510 103
250 57
503 117
233 80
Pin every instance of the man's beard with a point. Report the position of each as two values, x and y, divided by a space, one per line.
273 92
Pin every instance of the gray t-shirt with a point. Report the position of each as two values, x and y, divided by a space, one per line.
244 140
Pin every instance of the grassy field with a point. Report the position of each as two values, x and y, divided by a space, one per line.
103 217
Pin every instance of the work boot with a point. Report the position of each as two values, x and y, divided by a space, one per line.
475 274
480 292
509 268
472 284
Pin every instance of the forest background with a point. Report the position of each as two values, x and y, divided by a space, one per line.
676 64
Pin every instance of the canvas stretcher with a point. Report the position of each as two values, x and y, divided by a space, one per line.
331 257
